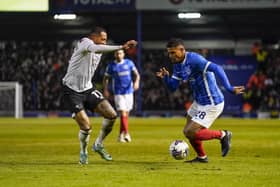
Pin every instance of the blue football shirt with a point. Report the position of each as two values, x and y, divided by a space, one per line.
121 74
202 81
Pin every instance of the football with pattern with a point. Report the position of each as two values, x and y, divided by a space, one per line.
179 149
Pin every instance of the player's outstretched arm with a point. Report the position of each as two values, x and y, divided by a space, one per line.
220 73
101 48
171 83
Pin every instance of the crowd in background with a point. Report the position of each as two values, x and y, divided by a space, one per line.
263 87
155 93
40 66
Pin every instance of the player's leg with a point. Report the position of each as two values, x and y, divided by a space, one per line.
124 124
206 116
105 109
196 130
124 104
84 134
95 102
190 131
124 121
74 102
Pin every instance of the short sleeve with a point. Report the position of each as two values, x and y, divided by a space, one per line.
108 71
132 65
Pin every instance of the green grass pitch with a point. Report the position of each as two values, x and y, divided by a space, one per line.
45 152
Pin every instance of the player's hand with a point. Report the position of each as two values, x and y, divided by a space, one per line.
130 44
162 72
238 89
136 86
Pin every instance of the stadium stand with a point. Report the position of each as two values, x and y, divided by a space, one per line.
39 67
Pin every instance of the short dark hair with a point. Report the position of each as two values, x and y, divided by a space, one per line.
97 30
174 42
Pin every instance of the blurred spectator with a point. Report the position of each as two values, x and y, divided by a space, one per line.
255 48
264 85
255 88
257 81
261 56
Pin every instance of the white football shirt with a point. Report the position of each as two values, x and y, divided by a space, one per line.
83 63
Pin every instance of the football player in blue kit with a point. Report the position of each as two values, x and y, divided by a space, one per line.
208 101
125 80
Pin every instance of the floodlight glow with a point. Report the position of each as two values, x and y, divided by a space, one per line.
195 15
65 16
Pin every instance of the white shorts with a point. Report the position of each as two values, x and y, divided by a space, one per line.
124 102
205 115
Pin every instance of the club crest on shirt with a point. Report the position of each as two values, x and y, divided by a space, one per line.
125 66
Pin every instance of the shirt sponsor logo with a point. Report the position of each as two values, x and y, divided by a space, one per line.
102 2
123 73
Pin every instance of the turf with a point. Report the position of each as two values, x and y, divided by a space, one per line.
45 152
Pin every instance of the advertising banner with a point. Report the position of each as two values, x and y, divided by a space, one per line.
238 69
205 4
63 6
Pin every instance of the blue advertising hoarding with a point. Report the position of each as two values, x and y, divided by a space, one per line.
63 6
238 69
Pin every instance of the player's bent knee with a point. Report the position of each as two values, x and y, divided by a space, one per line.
113 115
106 110
189 134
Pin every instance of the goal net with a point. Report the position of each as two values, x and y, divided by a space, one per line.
11 99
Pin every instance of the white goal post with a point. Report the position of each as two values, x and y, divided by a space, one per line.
11 99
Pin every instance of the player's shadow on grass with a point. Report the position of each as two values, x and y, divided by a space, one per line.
126 163
91 162
11 163
147 164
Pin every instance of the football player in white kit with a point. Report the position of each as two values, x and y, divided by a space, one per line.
80 93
